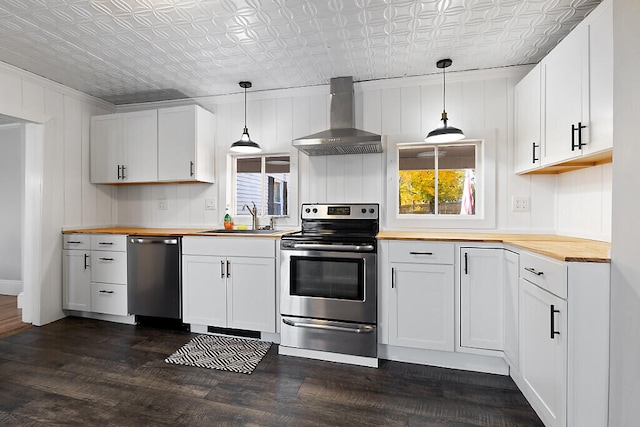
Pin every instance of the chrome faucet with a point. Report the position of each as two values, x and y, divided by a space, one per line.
254 214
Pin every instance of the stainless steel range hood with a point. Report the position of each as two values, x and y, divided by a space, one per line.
341 137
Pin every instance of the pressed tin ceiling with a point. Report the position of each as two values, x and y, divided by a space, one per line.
126 51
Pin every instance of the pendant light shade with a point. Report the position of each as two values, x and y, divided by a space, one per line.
245 145
445 133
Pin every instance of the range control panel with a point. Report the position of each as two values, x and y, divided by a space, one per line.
340 211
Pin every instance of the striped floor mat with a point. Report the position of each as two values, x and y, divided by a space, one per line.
223 353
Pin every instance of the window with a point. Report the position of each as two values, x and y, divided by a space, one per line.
263 180
437 180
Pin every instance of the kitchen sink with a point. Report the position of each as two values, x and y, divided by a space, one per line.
235 231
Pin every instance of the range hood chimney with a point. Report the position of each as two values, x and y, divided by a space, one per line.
342 137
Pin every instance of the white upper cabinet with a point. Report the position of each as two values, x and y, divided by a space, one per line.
166 145
185 144
570 114
528 124
124 148
566 88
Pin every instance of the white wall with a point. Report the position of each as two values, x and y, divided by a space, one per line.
480 102
11 165
624 409
68 199
584 203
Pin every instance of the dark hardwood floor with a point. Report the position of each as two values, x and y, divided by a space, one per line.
85 372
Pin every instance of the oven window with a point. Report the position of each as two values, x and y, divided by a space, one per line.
327 278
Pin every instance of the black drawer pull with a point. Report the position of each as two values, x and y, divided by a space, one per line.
74 242
105 243
534 271
106 259
105 292
420 253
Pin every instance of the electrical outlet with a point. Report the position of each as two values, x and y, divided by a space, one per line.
162 204
520 204
210 204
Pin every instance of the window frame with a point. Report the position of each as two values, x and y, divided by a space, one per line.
485 202
232 180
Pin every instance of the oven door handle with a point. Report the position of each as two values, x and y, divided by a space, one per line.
341 248
355 329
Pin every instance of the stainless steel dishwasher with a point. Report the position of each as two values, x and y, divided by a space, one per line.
154 279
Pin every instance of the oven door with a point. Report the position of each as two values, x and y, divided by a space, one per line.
330 285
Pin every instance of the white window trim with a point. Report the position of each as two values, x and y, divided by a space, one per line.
485 217
282 221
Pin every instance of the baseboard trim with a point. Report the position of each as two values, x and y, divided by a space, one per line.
10 287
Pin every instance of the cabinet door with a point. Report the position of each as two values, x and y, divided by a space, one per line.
177 144
76 272
511 267
140 146
204 291
481 298
543 355
566 83
251 294
421 306
600 80
528 125
106 149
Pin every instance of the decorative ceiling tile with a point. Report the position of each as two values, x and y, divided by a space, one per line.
128 51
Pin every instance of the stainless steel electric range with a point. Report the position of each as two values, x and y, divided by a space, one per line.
328 275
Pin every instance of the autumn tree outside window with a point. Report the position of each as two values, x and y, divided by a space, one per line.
437 180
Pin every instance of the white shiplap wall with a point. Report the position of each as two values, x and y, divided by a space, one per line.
480 102
67 197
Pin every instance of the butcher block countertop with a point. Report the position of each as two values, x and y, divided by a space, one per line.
569 249
168 232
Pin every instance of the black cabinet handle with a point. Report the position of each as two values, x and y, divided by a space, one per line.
105 292
393 277
106 259
222 269
534 271
466 263
119 176
420 253
105 243
553 311
86 257
191 168
578 128
534 158
228 269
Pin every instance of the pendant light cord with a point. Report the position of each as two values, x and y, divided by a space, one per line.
444 90
245 107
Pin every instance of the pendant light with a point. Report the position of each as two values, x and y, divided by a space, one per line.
445 133
245 145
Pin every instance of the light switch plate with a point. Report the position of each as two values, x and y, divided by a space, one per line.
210 204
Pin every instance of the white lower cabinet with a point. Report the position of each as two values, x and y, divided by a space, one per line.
76 272
511 308
421 301
543 352
95 273
482 298
563 368
223 288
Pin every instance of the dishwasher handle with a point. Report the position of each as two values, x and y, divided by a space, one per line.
153 240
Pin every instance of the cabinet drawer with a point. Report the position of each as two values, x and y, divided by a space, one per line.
109 299
421 252
230 246
76 241
109 242
549 274
109 267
